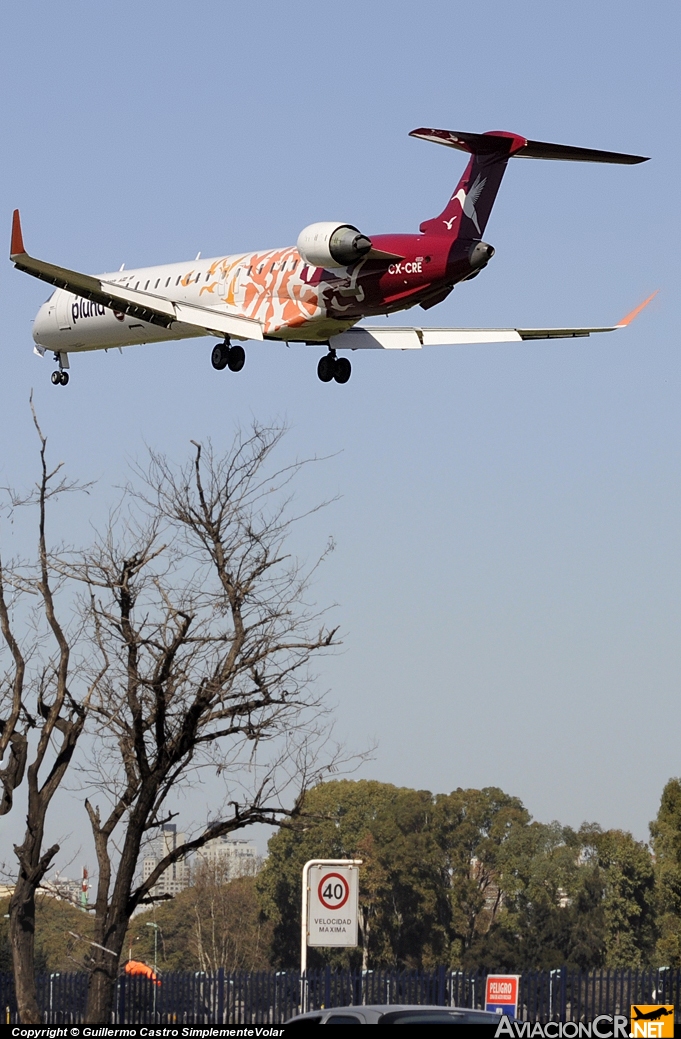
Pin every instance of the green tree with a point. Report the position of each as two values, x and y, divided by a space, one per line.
476 830
465 879
553 899
626 867
665 834
584 899
56 947
404 904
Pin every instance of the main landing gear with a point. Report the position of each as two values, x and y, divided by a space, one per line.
226 356
332 367
60 377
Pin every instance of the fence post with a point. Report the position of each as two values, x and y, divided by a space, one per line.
441 987
221 995
563 992
327 986
121 1000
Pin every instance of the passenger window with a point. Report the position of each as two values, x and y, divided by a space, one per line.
146 286
137 285
167 282
178 279
342 1019
295 264
250 269
157 282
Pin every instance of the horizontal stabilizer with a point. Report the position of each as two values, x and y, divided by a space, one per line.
501 142
144 306
541 150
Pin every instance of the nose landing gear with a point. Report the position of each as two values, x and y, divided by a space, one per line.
60 377
225 356
332 367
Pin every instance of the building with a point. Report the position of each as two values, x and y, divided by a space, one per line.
176 877
229 858
66 889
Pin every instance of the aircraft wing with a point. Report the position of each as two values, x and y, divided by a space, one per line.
368 338
145 306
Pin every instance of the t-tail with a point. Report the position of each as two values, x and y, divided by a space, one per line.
466 214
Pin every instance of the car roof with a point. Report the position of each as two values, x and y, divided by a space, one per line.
388 1008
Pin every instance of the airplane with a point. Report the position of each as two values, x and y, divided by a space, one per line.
655 1014
314 293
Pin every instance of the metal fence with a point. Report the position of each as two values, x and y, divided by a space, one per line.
268 997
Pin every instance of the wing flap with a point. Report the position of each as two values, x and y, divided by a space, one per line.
377 339
562 333
145 306
216 320
455 336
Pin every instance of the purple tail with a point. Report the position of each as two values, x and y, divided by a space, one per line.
467 212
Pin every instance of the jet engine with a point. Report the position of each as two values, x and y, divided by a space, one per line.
329 244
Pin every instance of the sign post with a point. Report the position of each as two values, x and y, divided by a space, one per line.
501 994
330 907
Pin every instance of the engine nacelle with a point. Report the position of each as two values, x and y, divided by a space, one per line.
329 244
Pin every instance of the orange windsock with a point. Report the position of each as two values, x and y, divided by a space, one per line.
137 967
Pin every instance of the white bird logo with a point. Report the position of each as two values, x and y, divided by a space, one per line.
468 201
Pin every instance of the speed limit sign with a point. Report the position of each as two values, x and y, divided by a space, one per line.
333 891
332 905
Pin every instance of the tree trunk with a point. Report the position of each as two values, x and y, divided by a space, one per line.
110 929
113 916
22 937
365 939
102 991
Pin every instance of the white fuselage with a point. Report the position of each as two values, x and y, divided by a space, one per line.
274 287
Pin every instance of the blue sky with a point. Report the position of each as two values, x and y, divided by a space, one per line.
508 532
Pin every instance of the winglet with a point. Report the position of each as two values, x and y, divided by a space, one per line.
17 246
636 311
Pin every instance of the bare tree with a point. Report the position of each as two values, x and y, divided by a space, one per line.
227 928
43 717
205 637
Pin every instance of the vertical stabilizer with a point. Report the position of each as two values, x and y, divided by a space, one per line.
467 212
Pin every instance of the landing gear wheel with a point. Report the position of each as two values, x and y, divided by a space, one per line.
343 370
63 378
326 368
236 358
56 378
219 356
